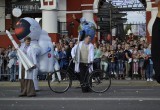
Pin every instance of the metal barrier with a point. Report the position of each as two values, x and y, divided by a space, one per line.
5 71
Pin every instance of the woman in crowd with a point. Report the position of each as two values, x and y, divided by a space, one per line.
149 64
104 59
135 57
141 61
97 56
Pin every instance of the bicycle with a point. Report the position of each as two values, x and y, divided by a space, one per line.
97 80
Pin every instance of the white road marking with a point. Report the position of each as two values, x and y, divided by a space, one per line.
79 99
137 89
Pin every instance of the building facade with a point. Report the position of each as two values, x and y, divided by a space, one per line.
62 24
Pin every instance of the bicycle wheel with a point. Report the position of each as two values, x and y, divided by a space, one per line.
99 81
59 81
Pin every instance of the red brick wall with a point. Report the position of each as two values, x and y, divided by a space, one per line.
74 30
8 23
54 37
73 5
5 41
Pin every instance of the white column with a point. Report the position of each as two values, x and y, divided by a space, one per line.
49 21
2 15
88 15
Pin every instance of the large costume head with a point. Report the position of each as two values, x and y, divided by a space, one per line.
86 28
27 27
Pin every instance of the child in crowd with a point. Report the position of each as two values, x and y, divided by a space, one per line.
141 60
135 56
112 59
104 59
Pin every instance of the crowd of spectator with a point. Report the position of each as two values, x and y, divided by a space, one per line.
8 64
128 59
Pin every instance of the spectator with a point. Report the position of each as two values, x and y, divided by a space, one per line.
112 64
120 63
104 59
135 56
72 39
127 59
141 60
97 56
12 64
149 64
63 58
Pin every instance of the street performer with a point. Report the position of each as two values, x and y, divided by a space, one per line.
156 45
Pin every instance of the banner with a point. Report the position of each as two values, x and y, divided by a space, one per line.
120 2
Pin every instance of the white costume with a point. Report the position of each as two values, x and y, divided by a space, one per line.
40 52
32 52
46 58
76 53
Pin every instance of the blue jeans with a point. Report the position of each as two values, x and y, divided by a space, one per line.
120 66
149 70
112 67
12 73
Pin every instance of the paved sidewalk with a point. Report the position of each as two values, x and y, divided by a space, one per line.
75 83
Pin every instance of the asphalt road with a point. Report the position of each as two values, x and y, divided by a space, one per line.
121 96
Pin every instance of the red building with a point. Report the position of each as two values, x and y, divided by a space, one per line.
62 22
59 21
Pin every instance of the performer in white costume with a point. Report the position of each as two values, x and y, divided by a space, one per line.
34 35
41 53
27 85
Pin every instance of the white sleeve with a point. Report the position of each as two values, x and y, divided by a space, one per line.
73 51
91 53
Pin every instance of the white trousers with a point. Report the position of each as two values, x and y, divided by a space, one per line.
56 68
35 79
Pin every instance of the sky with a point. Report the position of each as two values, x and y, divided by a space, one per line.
136 17
132 17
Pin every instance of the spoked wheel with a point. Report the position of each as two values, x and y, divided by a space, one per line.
99 81
59 81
